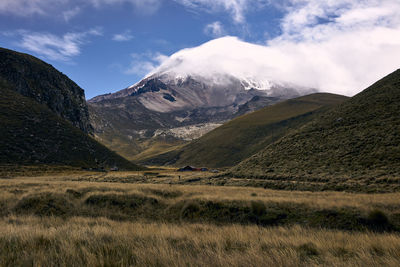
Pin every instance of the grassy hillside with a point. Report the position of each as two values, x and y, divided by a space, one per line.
242 137
31 134
359 139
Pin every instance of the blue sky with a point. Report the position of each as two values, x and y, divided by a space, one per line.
123 32
107 45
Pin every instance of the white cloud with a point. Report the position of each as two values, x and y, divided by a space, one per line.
61 48
29 7
69 8
357 43
142 64
52 7
304 16
144 6
214 29
70 13
122 37
339 46
236 8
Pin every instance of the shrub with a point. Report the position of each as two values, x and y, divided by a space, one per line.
378 220
258 208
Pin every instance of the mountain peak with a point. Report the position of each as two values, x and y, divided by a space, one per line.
217 61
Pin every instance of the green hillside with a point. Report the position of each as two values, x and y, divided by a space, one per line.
31 134
242 137
357 139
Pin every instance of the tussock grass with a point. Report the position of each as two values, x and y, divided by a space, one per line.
52 241
56 196
44 204
86 183
51 220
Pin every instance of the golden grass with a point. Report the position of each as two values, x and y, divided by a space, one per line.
97 182
102 242
83 236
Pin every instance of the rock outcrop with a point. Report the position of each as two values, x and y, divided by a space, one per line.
33 78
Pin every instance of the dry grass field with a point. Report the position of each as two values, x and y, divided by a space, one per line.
78 241
155 218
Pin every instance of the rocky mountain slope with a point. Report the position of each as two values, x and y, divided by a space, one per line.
239 138
357 139
33 130
168 92
33 78
156 111
192 91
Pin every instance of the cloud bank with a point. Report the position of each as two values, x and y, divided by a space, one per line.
337 46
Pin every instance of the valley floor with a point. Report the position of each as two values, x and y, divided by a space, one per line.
76 218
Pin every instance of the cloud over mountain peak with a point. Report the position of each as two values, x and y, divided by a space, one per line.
339 47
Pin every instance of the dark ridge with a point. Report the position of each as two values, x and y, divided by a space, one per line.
34 78
31 134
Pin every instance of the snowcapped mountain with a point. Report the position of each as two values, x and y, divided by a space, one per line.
210 75
194 88
168 92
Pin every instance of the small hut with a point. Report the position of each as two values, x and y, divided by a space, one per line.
186 169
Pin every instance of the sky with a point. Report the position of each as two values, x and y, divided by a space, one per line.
339 46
